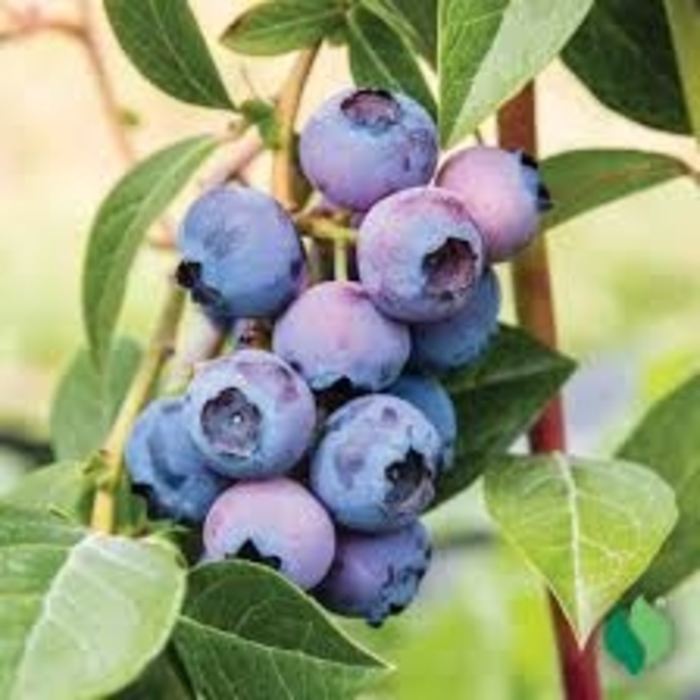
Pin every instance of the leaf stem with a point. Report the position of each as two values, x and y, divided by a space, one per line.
283 168
324 229
111 456
535 308
684 20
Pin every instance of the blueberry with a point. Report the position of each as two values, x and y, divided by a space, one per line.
251 414
167 468
373 577
375 464
431 398
502 191
333 334
420 254
362 145
241 254
463 338
275 522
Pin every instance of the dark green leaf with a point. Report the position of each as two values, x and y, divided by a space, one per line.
66 488
134 204
246 632
164 679
589 527
668 440
280 26
489 49
416 21
497 400
622 643
379 58
263 116
624 55
162 39
81 613
583 180
87 401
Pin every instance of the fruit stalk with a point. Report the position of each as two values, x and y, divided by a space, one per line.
283 169
111 456
536 314
684 19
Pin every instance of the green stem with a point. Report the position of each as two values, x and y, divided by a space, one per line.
684 19
324 229
111 456
340 261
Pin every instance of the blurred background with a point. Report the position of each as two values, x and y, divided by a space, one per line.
627 281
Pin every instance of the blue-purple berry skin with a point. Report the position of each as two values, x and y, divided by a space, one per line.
251 414
362 145
462 339
429 396
334 334
375 465
167 468
420 255
503 192
241 254
373 577
276 522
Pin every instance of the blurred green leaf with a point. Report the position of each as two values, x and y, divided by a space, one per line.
653 628
82 613
66 487
497 400
379 58
583 180
668 440
589 527
489 50
247 632
164 42
623 53
416 21
280 26
127 213
622 643
87 401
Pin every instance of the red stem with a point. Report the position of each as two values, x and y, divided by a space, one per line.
536 313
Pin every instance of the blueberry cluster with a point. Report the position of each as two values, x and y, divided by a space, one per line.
317 455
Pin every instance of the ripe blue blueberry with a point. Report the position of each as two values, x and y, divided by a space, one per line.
430 397
333 335
276 522
362 145
420 254
502 191
456 342
167 468
251 414
373 577
241 254
375 464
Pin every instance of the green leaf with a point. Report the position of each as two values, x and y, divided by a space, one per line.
624 55
416 21
589 527
280 26
668 440
497 400
379 58
583 180
164 679
653 628
164 42
65 487
622 643
264 116
82 613
246 632
87 401
134 204
489 49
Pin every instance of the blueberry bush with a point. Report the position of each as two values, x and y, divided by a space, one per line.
224 495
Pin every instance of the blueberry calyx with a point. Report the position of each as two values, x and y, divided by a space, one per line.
528 161
376 109
449 269
411 483
544 198
249 552
232 423
189 276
